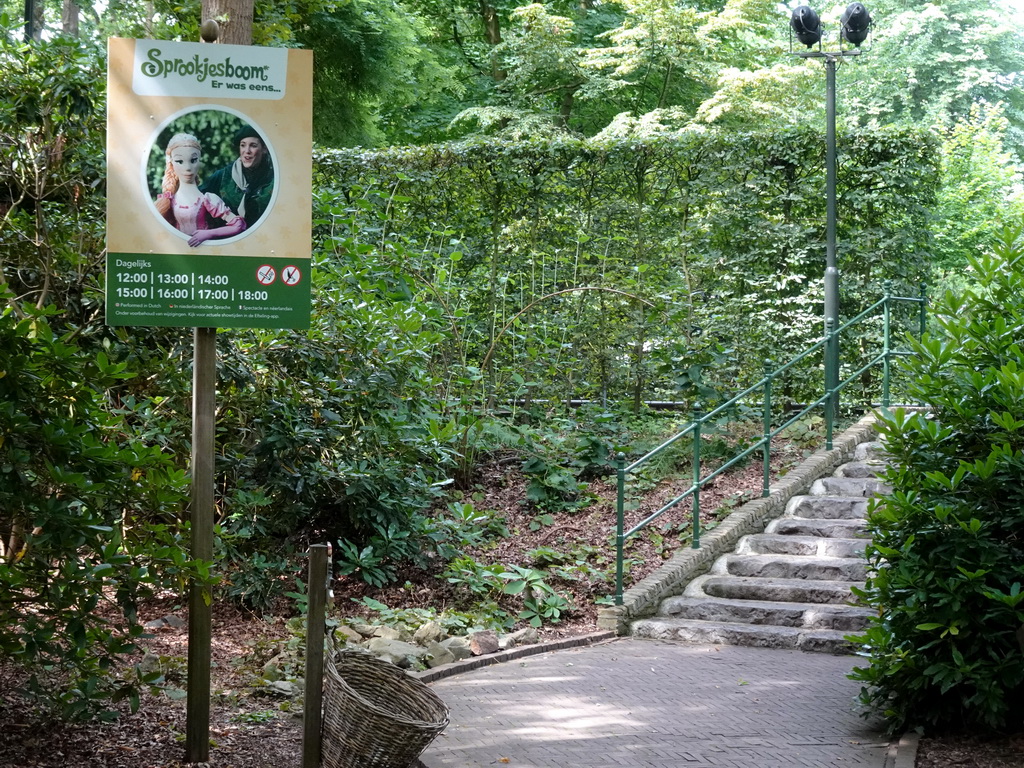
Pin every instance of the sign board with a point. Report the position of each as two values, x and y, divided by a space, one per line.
209 182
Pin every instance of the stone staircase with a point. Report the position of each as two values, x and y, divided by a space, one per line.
788 587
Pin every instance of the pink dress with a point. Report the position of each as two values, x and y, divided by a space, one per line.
191 218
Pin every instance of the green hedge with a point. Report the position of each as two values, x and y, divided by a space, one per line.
722 235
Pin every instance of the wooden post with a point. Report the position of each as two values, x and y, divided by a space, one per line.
200 614
313 699
30 17
204 414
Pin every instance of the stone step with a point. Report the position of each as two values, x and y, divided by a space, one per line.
836 528
849 486
862 469
794 544
822 507
819 591
791 586
753 635
871 451
844 618
793 567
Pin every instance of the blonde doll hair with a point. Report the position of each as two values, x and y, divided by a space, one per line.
170 182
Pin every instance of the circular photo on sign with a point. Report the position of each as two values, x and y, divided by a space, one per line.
210 174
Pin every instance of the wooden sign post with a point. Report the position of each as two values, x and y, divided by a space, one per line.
200 613
166 268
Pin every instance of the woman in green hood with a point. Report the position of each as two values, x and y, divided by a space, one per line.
247 184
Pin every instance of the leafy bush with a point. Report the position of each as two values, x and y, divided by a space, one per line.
486 615
541 601
87 513
255 583
948 545
88 494
478 578
463 526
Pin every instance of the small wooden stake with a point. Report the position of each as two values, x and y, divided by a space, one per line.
312 715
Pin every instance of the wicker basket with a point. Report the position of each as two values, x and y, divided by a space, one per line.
375 715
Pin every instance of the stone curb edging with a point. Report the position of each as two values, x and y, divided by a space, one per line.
686 564
904 751
477 662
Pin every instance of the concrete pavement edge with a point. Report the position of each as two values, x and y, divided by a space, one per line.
906 750
467 665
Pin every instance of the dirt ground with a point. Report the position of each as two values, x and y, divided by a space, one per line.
966 751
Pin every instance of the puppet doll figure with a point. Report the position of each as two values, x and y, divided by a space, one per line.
183 205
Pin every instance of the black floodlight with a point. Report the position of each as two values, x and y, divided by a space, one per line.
806 25
856 22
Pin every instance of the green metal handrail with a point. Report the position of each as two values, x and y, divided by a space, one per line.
829 401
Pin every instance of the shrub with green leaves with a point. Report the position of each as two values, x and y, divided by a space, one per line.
87 513
948 545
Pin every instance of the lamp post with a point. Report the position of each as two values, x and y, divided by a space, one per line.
30 20
805 26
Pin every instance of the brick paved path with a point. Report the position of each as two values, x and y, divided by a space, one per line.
652 704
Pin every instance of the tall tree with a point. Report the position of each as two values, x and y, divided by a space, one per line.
542 60
69 17
931 63
650 59
982 189
368 62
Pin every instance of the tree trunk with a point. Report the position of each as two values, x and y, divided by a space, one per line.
496 219
639 257
234 17
40 21
492 33
69 18
638 362
492 25
565 109
34 20
664 86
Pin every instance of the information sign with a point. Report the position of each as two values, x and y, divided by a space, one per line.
209 167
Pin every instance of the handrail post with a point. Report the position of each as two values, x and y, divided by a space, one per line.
924 308
767 449
620 522
832 373
697 415
830 394
886 344
831 286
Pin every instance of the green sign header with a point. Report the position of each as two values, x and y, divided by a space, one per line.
193 69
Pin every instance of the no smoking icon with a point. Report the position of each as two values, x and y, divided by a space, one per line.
266 274
291 275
